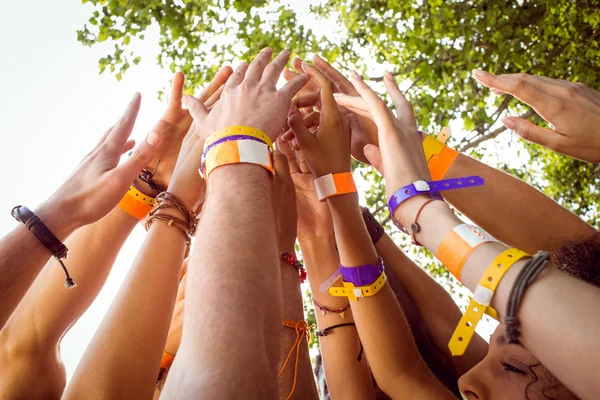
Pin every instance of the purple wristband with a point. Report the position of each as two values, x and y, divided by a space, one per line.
363 275
432 189
223 140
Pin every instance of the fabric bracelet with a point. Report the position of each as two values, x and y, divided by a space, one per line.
239 130
327 331
335 185
136 203
34 224
324 310
482 298
458 244
302 331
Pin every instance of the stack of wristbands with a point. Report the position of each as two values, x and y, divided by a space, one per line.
362 281
439 157
236 144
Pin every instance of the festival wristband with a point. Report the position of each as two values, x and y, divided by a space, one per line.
335 185
432 146
354 293
241 151
167 360
482 298
440 163
136 203
363 275
431 188
239 130
458 244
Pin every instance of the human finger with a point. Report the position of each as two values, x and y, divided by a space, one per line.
285 149
296 124
257 66
130 144
196 108
281 165
342 84
273 70
141 156
177 90
373 155
312 120
294 86
122 130
533 133
215 97
308 100
215 84
302 164
288 74
329 106
238 75
377 106
404 110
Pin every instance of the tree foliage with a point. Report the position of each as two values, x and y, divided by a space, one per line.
429 45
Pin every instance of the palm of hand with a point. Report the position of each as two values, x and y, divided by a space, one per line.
314 218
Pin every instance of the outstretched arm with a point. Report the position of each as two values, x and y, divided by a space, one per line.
382 327
234 283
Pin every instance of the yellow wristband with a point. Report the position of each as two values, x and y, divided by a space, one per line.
236 131
136 203
431 147
482 298
354 293
239 151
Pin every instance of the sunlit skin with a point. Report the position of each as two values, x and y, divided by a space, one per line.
510 371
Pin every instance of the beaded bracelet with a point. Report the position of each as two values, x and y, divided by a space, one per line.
294 262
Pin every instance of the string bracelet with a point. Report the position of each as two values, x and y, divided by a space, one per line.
294 262
324 310
167 200
328 331
302 331
534 267
35 225
415 227
147 177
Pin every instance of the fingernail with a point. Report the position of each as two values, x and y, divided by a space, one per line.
320 57
339 94
305 64
284 52
509 123
480 74
153 138
388 75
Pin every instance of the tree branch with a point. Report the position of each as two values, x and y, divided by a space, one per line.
493 134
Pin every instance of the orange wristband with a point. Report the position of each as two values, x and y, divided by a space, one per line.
334 185
136 203
458 244
440 163
167 360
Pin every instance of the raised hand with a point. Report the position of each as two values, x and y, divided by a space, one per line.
186 182
175 123
363 129
250 98
314 218
572 108
401 159
99 182
327 150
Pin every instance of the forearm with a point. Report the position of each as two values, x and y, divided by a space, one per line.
53 309
513 211
383 330
342 346
22 256
437 308
301 380
234 288
557 316
117 352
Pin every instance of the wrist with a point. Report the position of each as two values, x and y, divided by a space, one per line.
57 215
344 204
192 199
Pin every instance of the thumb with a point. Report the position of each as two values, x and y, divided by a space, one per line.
141 156
533 133
196 108
280 164
296 124
374 157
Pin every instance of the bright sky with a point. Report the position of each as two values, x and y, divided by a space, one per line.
53 109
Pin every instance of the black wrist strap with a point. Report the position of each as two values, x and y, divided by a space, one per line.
327 331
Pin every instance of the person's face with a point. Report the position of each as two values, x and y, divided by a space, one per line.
510 371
